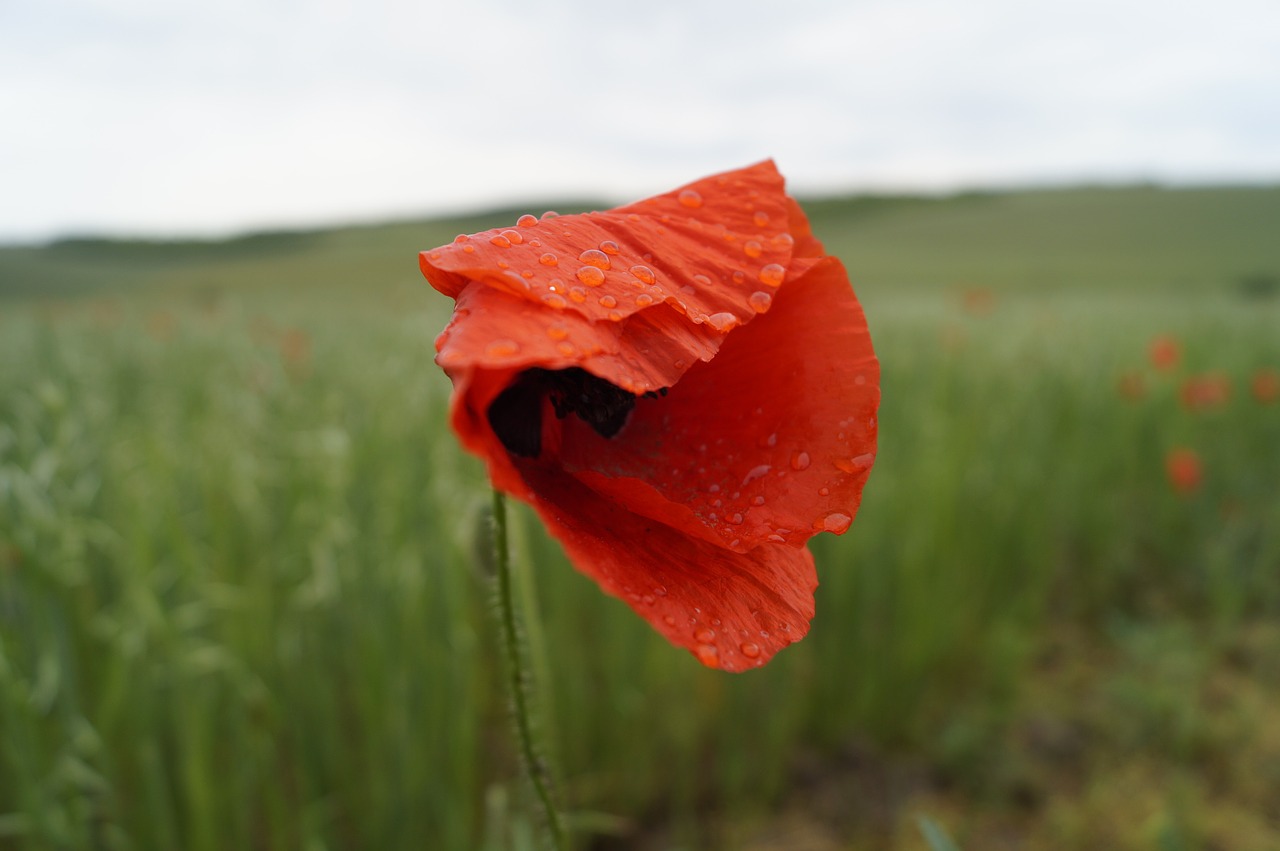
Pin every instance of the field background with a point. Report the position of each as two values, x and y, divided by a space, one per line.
243 602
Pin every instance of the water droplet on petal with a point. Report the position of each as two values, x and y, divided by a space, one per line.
469 249
548 259
772 275
722 321
783 240
643 273
700 280
800 460
735 519
670 620
526 221
708 655
705 635
566 349
609 247
608 301
760 302
856 464
644 300
836 522
555 300
578 294
739 276
462 237
750 650
690 198
824 490
595 257
557 332
591 276
514 236
615 316
761 218
757 500
549 214
756 473
500 241
502 348
752 248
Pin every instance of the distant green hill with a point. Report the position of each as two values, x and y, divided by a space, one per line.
1141 238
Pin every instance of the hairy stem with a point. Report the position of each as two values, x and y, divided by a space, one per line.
518 676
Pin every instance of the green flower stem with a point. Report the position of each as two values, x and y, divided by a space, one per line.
518 677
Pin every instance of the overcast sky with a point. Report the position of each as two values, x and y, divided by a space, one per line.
171 117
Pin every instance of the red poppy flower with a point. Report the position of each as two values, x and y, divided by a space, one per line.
1203 392
1164 353
684 389
1265 385
1184 469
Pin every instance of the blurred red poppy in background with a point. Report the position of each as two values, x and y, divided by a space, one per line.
1184 469
685 391
1164 353
1265 385
1203 392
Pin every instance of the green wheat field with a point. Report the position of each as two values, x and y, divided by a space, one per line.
244 601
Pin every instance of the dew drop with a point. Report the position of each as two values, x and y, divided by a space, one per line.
526 274
757 500
502 348
856 464
708 655
772 275
577 294
800 460
591 276
555 300
690 199
760 302
513 236
500 241
824 490
548 259
783 240
557 332
660 590
608 301
469 249
706 635
462 237
756 473
615 316
670 620
777 539
595 257
435 255
643 273
566 349
609 247
702 281
644 300
549 214
750 650
836 522
526 221
761 218
722 321
739 276
735 519
752 248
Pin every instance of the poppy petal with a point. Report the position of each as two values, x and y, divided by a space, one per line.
733 611
771 441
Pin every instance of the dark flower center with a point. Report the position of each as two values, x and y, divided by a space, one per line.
516 414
